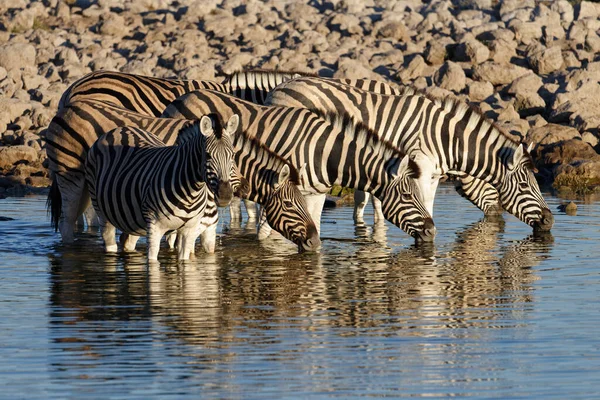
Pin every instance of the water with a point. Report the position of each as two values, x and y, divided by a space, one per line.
488 311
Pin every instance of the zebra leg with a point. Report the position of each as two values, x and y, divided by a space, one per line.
315 204
264 229
155 234
171 237
130 242
251 209
208 238
235 209
360 202
71 191
186 242
109 233
377 212
91 218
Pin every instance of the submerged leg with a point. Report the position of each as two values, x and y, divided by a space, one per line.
130 242
208 238
154 235
251 209
235 209
108 235
360 202
377 212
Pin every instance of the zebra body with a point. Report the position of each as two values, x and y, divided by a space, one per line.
69 137
455 138
141 186
335 150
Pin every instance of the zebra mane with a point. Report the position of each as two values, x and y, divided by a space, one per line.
362 132
249 69
260 146
450 103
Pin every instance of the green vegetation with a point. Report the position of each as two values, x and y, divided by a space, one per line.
339 191
577 184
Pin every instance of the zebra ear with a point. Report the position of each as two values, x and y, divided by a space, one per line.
232 124
408 167
530 148
284 175
517 156
206 127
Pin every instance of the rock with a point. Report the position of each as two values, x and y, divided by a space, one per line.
17 55
16 154
526 32
473 51
345 23
436 51
544 61
413 70
10 110
479 91
353 69
565 9
450 77
587 9
567 152
113 25
529 103
526 83
498 74
551 134
503 50
590 138
394 30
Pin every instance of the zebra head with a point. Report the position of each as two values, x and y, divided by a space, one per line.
520 194
219 156
402 203
287 212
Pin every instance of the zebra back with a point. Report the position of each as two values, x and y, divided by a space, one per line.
143 94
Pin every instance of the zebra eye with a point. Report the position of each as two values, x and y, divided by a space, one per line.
288 204
524 185
406 197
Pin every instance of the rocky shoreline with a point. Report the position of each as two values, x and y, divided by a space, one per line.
531 66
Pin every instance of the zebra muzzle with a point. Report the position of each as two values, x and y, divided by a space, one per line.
545 222
427 234
224 194
312 242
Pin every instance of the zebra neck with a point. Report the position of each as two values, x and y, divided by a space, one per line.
466 142
190 171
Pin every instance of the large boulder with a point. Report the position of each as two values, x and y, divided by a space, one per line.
12 155
450 76
544 61
498 74
17 55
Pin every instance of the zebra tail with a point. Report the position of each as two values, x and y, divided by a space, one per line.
54 205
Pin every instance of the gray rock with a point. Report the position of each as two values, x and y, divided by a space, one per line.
345 23
17 55
565 9
394 30
498 74
451 77
113 25
503 51
526 32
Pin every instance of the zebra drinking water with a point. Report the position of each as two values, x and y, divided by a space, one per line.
77 127
456 139
141 186
335 149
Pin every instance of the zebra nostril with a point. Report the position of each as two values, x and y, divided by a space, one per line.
224 194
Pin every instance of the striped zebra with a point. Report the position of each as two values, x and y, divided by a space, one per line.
335 149
69 137
141 186
456 139
150 96
79 125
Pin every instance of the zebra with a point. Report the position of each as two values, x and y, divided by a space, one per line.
70 135
336 149
83 120
456 138
150 96
141 186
